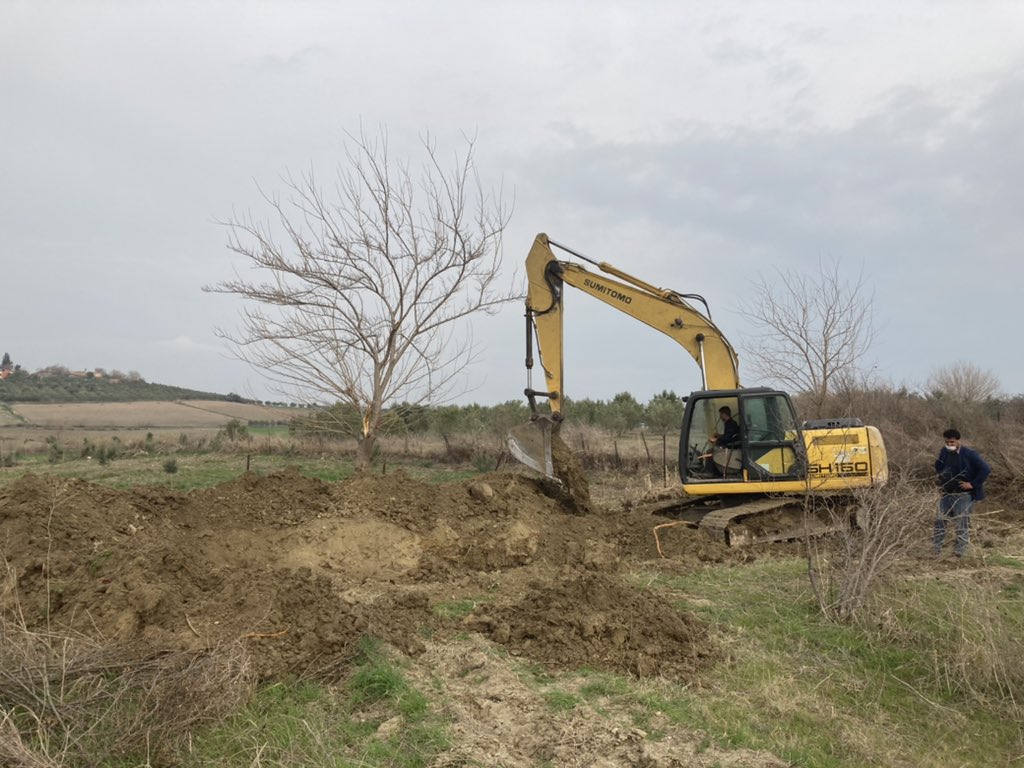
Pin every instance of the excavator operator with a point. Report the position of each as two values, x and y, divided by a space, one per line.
730 434
725 458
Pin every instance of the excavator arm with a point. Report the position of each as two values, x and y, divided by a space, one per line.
664 310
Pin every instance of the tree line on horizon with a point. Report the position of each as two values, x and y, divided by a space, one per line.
58 384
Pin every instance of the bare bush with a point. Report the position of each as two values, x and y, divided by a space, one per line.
845 568
68 700
14 753
963 382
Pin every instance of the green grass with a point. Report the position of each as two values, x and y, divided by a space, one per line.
597 685
561 701
375 718
824 695
818 693
1008 561
205 470
459 609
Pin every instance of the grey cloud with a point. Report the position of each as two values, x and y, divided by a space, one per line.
920 196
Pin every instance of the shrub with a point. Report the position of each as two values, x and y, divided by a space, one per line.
482 462
54 452
846 567
235 430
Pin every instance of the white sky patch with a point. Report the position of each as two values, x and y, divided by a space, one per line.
186 344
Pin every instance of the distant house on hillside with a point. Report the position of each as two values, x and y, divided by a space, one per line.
52 370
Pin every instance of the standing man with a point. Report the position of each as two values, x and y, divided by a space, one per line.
961 474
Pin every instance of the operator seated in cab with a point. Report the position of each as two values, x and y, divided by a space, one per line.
726 445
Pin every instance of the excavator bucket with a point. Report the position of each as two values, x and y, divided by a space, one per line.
530 443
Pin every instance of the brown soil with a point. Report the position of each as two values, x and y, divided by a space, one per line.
299 569
574 487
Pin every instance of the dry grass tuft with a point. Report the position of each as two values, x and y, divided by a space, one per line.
981 656
67 699
969 627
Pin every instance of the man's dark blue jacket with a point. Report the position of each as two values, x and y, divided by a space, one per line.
967 464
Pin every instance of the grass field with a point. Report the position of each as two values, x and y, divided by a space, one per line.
26 428
143 415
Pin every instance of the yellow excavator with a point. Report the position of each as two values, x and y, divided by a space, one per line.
741 482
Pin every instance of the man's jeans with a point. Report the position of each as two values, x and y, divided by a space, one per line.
958 507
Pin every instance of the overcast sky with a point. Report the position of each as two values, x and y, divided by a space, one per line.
700 146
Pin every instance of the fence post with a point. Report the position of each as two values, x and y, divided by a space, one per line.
664 459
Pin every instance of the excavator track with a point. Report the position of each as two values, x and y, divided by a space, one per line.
764 519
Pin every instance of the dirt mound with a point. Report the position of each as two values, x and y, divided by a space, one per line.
299 569
592 619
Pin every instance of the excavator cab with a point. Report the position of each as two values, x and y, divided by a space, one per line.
769 447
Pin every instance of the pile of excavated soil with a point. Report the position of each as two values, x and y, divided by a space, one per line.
299 569
622 629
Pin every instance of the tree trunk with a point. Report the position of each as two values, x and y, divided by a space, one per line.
364 451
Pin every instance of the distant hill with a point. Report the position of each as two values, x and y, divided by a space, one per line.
67 387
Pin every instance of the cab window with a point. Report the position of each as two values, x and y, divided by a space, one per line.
771 434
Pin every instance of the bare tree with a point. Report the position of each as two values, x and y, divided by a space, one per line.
964 382
362 303
814 330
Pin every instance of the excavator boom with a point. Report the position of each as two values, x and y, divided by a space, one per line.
664 310
667 311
